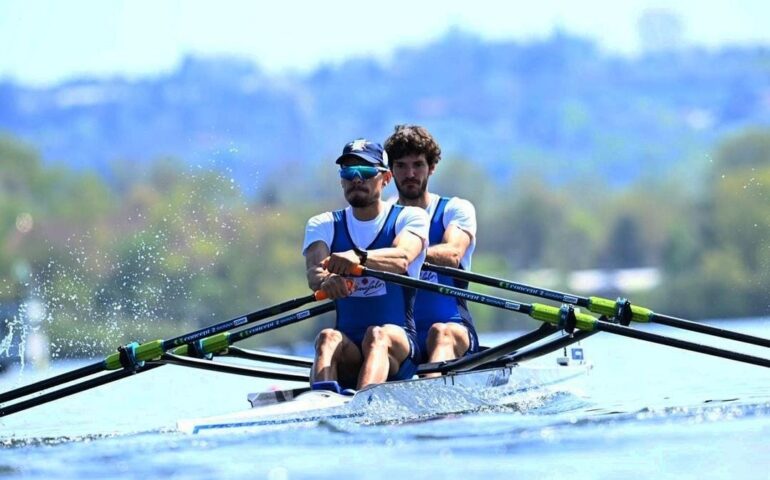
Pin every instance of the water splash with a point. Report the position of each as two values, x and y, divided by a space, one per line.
129 278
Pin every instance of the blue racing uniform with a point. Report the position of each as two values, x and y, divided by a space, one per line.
431 307
375 303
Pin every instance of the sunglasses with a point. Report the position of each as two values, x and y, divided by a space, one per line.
364 172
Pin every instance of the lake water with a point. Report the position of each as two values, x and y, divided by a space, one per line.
644 411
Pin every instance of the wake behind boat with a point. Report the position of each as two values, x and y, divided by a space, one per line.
405 400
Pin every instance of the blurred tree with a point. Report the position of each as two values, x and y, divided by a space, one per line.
625 248
163 247
731 270
459 177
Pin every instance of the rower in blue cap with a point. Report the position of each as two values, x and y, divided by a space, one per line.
374 338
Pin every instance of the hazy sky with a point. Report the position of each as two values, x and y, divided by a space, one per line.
44 42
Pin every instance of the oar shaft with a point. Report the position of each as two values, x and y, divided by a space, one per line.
156 348
522 288
70 390
599 305
52 382
150 351
681 344
240 321
219 343
538 311
468 295
708 330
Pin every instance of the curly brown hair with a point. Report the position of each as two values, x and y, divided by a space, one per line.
412 140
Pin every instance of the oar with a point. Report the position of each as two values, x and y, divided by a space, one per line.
565 317
210 344
132 355
601 306
71 390
220 343
538 311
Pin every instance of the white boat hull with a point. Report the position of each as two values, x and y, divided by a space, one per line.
393 401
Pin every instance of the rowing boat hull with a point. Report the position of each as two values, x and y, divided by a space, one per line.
393 401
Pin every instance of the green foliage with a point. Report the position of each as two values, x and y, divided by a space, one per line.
747 150
163 249
719 264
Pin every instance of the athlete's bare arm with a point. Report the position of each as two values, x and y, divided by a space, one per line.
320 278
452 248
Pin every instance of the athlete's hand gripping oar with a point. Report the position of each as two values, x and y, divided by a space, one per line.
565 317
624 311
209 344
133 354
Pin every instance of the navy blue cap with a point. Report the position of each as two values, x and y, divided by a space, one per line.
370 151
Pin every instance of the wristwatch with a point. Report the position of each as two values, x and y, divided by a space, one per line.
362 255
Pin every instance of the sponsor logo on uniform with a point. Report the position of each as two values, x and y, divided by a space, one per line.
369 287
429 276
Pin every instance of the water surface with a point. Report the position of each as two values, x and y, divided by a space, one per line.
644 411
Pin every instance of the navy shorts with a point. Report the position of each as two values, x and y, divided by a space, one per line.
409 366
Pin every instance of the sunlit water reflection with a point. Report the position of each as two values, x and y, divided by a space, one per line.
644 411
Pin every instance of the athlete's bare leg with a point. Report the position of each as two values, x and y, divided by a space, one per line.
446 341
336 357
384 349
